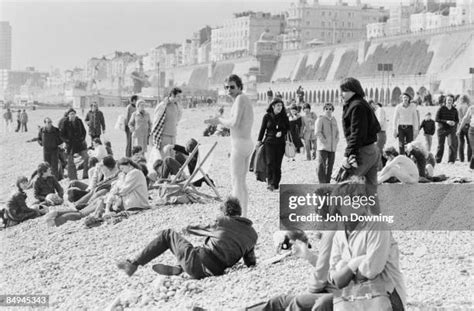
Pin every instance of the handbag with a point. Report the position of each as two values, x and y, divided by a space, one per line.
290 150
369 295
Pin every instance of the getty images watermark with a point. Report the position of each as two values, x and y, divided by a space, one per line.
443 207
317 202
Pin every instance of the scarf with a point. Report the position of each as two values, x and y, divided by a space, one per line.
158 123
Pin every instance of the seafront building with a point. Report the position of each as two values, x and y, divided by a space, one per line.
314 23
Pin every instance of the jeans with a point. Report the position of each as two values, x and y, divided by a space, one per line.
128 147
24 127
471 139
188 256
325 161
405 135
367 161
310 146
76 190
273 157
52 157
71 166
464 138
309 302
450 133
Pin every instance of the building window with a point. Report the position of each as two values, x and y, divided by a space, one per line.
323 24
342 24
307 23
323 13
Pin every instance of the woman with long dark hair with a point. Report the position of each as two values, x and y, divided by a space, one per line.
275 125
360 128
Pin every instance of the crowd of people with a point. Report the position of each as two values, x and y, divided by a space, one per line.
358 256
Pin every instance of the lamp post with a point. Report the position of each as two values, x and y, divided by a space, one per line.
157 82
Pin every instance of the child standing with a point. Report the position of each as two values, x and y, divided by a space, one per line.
428 126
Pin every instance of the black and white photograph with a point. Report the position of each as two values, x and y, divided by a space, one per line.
208 155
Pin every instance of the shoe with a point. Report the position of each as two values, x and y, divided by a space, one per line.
127 266
270 187
167 270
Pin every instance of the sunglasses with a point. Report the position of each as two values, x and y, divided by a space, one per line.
328 109
232 87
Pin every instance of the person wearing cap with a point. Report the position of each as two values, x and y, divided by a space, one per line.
307 131
405 122
447 118
96 122
73 134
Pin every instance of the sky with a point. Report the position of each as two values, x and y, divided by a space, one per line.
65 34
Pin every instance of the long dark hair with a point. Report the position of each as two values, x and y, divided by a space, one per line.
274 102
352 85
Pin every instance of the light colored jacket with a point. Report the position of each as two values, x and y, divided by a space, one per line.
327 133
133 190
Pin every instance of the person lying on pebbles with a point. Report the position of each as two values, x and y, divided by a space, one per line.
229 239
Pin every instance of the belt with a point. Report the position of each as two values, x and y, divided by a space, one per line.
404 126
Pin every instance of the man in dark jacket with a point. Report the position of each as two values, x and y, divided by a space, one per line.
96 122
229 239
73 134
49 138
360 128
448 120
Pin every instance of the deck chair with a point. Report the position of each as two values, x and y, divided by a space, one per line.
185 185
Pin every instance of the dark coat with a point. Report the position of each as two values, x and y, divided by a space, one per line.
258 163
45 186
17 210
360 125
227 241
271 125
96 122
50 140
73 134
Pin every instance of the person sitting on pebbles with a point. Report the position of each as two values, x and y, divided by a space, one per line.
47 184
16 210
229 239
398 166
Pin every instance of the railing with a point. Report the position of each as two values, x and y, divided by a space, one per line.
449 29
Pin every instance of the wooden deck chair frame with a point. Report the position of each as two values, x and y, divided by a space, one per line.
187 184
